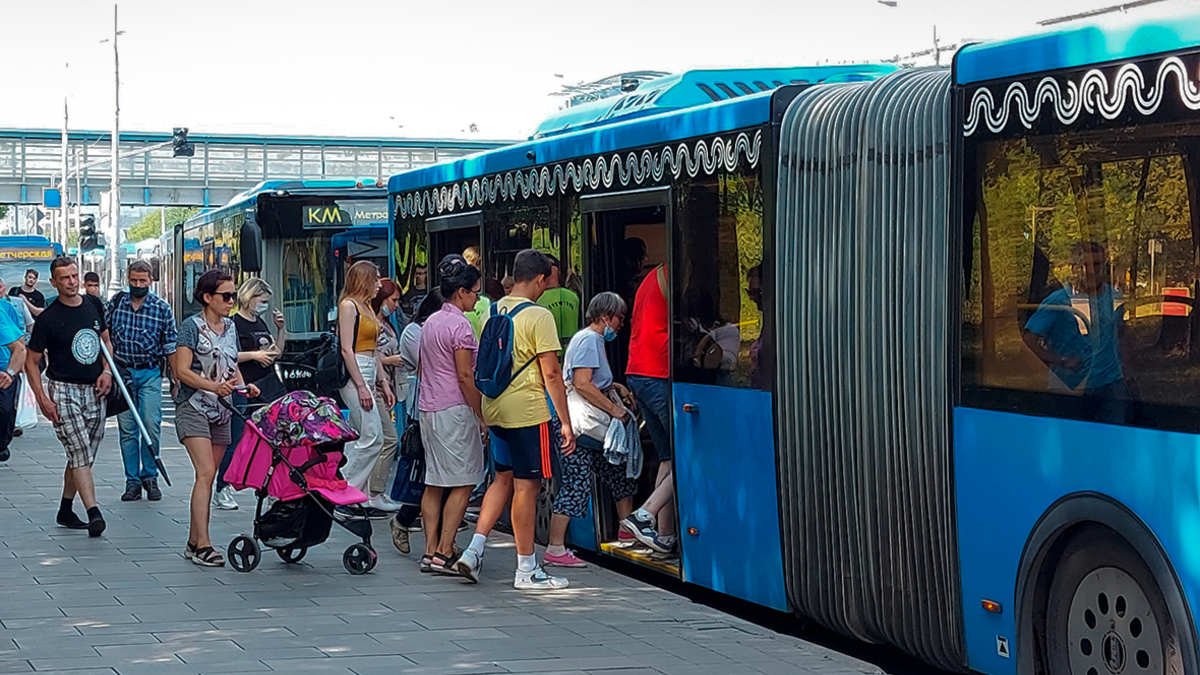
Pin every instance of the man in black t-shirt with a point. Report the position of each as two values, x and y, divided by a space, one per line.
29 291
69 332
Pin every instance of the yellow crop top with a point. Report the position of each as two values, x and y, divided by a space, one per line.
368 333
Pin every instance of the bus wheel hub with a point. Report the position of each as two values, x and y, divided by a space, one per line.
1111 627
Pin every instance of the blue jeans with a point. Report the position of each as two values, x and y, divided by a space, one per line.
653 396
138 456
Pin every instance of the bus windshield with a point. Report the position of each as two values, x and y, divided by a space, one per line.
308 242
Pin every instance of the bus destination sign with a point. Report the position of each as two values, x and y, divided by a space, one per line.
346 213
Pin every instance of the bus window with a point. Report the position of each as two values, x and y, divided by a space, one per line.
718 284
1082 279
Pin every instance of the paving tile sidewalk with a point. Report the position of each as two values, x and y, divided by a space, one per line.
128 603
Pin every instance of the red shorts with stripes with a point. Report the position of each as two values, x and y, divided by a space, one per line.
529 452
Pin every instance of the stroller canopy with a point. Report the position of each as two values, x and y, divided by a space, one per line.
302 416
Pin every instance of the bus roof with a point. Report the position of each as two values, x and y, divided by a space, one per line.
344 187
1078 44
694 88
622 133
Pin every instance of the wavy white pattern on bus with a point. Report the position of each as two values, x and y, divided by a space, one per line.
1092 94
633 169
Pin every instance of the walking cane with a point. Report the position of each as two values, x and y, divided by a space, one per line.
116 375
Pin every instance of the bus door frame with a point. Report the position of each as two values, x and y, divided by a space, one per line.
662 196
440 224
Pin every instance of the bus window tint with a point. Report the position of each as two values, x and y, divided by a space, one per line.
510 232
1082 274
718 293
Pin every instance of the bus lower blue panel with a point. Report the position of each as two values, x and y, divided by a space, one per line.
581 532
726 490
1011 468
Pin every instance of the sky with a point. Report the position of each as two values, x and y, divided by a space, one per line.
418 69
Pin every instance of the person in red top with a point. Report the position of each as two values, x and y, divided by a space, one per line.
647 376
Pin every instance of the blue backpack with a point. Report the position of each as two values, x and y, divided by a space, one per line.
494 362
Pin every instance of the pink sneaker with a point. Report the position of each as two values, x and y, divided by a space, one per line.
567 559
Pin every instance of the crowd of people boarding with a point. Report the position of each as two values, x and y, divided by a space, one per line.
470 382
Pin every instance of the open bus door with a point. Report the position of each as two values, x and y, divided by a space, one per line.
452 234
626 237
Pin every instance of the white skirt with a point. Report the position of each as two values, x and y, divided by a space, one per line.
453 447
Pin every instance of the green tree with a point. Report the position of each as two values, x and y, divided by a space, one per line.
3 211
151 226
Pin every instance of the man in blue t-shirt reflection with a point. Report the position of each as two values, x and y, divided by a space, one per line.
1079 332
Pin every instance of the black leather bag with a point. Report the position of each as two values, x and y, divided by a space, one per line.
331 374
115 403
411 447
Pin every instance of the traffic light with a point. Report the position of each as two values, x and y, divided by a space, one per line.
87 233
179 143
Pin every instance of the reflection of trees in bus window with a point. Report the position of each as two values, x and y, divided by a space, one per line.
511 232
1051 210
307 284
573 275
718 282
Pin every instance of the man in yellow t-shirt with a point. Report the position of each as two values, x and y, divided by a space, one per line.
519 421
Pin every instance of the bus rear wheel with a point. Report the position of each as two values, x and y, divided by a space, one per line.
1105 612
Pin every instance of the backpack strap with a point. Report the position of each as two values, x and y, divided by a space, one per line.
511 314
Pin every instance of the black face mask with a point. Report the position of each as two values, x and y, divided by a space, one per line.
139 291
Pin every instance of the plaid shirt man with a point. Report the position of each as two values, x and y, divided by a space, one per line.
143 337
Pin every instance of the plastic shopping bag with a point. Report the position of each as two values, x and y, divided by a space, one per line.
27 407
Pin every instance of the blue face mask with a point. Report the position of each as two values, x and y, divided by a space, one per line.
609 334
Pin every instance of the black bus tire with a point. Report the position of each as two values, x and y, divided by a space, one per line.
1105 612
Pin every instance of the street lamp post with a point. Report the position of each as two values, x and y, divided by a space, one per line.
114 196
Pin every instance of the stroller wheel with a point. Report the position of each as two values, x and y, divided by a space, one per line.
244 554
359 559
292 554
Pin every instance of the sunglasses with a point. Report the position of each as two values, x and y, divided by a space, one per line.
227 297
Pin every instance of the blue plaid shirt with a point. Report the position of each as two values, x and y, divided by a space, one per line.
144 336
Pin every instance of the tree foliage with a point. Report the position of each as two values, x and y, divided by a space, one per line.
151 226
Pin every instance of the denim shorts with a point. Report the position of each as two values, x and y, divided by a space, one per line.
653 396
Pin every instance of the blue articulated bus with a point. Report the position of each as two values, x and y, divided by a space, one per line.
955 404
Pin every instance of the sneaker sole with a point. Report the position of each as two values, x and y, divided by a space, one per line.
201 563
466 572
539 587
575 566
644 540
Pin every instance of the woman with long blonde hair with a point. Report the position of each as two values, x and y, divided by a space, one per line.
358 331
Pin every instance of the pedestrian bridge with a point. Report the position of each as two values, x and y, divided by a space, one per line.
224 164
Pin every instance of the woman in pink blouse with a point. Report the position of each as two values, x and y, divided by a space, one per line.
451 418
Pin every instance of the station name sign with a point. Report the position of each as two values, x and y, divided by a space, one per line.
27 254
345 213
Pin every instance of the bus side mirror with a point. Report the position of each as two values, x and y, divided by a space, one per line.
250 241
156 268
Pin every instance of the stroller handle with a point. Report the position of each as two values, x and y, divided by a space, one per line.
231 408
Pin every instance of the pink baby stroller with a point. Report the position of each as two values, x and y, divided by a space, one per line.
290 451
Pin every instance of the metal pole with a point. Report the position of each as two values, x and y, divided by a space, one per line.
63 210
114 209
78 206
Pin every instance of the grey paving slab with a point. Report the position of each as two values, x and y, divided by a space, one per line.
129 604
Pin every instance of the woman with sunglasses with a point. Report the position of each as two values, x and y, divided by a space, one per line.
205 362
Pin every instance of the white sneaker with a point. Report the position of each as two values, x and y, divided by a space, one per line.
384 504
224 499
469 565
538 580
